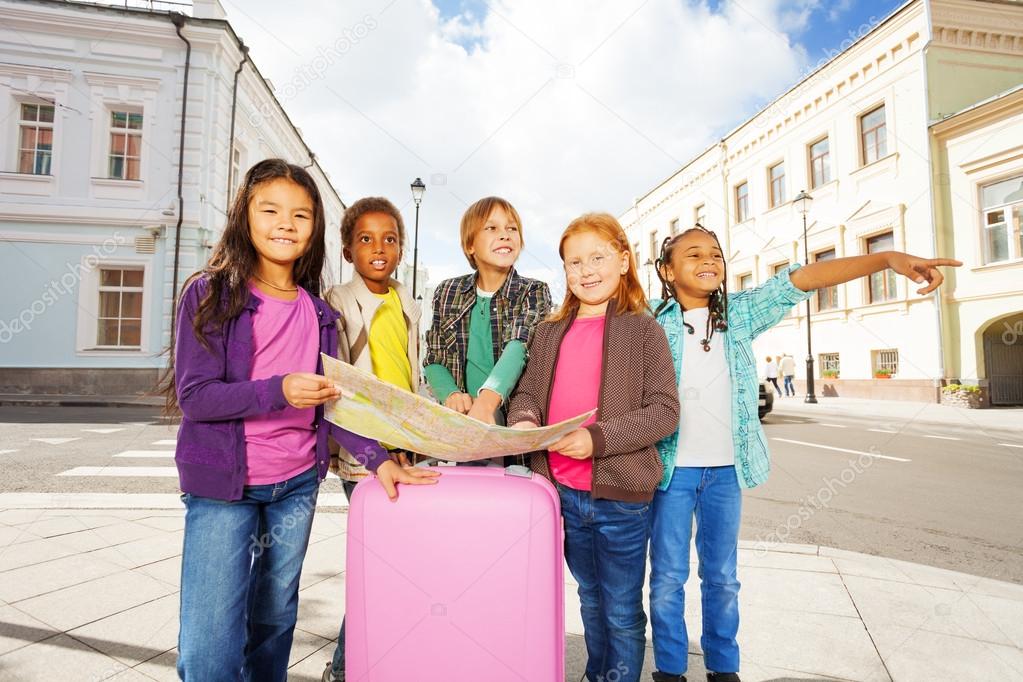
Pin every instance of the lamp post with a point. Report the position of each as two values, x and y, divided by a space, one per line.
417 195
649 265
802 202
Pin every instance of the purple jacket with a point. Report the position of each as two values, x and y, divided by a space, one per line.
215 395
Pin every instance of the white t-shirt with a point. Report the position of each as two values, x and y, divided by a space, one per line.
771 370
705 396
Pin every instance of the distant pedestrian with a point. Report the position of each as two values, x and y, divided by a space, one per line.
771 372
787 366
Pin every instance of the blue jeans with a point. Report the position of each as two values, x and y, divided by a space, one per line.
713 495
239 581
789 386
605 547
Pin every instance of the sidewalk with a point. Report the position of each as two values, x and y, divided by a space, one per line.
1001 418
92 595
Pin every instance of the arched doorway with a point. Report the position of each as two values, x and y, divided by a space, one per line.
1003 358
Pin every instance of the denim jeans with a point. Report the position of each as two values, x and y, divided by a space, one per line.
713 495
337 661
240 569
605 547
789 386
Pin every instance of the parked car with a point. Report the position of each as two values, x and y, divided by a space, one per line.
766 400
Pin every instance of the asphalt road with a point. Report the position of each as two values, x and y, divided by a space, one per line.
928 493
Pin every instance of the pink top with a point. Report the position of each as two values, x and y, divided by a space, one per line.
576 389
285 339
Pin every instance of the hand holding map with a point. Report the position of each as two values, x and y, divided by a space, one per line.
375 409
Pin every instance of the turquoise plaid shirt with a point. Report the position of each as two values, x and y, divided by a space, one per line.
750 313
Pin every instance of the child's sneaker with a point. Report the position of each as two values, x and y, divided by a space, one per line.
665 677
723 677
329 676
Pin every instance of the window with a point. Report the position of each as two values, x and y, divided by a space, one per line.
125 145
778 268
873 135
882 284
777 177
827 297
1002 219
236 172
745 281
742 202
120 308
829 365
655 248
673 227
885 362
700 215
820 163
35 151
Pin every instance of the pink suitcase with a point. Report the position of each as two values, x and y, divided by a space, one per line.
457 581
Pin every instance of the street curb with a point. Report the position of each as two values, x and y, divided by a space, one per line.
79 401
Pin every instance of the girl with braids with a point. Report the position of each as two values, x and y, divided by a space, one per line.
720 446
252 447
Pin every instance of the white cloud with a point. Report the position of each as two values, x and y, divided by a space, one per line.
572 107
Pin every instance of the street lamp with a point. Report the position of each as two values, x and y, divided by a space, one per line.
417 195
649 265
802 202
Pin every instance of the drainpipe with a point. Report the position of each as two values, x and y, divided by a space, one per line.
938 303
178 20
234 107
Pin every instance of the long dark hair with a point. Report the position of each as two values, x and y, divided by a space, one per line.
234 260
717 318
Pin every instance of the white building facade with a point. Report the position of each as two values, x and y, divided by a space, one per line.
94 239
858 135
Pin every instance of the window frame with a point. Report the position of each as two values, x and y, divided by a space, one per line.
887 276
776 185
880 138
126 132
825 162
700 215
881 358
832 291
25 124
1012 221
742 212
828 362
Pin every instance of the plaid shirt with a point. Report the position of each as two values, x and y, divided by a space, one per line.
750 314
518 306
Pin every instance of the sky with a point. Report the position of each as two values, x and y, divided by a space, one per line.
561 107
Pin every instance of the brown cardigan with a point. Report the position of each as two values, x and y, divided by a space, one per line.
638 402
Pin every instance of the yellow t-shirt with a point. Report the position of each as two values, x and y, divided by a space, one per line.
388 342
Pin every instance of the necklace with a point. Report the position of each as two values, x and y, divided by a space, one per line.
273 286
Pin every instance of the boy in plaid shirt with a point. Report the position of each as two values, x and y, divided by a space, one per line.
483 322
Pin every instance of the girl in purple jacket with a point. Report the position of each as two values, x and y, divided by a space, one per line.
252 447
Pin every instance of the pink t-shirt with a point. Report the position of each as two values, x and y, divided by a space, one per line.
285 339
576 390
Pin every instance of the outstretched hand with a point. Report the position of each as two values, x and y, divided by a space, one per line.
390 474
921 270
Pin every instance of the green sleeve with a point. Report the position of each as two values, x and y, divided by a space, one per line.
441 382
507 371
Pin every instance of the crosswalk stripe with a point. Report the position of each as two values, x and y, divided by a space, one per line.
942 437
1008 445
103 431
146 453
134 472
55 441
834 426
882 431
169 441
120 500
6 452
852 452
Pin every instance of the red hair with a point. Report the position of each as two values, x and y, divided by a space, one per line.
630 297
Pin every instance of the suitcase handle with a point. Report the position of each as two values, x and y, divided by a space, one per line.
516 470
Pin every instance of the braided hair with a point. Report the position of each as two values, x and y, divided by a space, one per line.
717 318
